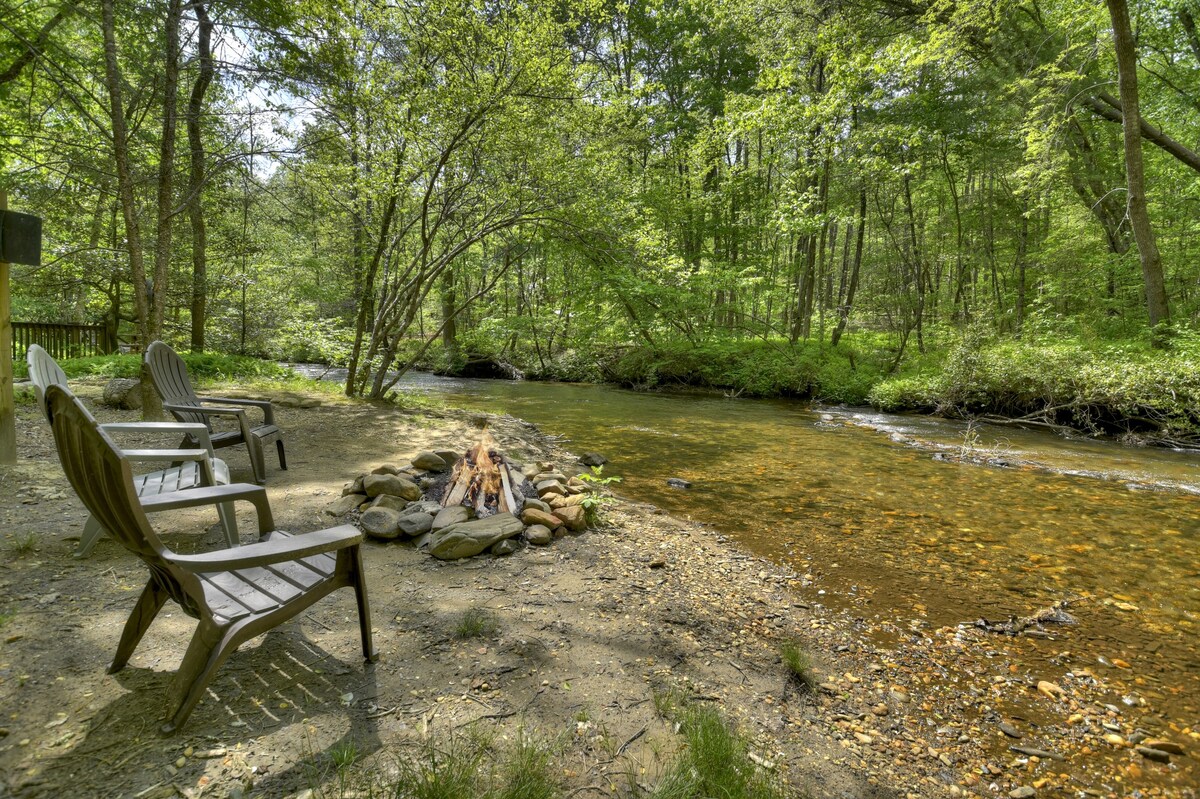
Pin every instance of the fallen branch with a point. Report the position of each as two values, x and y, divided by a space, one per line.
1031 625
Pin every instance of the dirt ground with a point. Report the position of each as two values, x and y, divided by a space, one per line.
589 628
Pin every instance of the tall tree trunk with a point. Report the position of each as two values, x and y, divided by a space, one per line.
197 176
1139 214
120 134
166 167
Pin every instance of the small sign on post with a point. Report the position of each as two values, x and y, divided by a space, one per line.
20 243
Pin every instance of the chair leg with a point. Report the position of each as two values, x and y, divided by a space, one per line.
364 608
147 607
209 648
282 459
229 523
92 530
258 464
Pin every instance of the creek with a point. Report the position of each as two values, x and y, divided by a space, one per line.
912 523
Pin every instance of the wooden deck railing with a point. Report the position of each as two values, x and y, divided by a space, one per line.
62 340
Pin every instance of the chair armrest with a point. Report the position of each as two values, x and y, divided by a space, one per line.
263 405
204 410
155 427
170 455
267 552
195 430
214 495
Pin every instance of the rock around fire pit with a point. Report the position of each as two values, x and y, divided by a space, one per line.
457 505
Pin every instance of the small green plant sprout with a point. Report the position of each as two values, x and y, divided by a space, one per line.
477 623
597 494
23 544
799 666
595 478
344 754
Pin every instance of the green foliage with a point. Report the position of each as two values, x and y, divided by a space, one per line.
201 366
312 341
1122 387
598 494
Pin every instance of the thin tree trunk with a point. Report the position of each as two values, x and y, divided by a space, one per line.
1139 214
196 177
844 309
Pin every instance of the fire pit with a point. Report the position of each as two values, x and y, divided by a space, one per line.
456 506
482 479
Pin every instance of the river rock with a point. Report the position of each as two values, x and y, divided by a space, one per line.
470 538
536 516
386 468
430 462
573 517
1157 755
456 514
426 506
448 457
123 392
1170 747
1049 689
557 477
345 504
355 486
559 532
505 547
566 502
678 482
389 502
539 535
531 502
593 459
1009 730
547 488
415 521
310 402
381 523
391 484
1024 792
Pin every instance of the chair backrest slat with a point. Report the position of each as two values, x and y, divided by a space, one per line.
43 373
172 382
103 481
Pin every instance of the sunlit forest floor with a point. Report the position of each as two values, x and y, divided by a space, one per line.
583 647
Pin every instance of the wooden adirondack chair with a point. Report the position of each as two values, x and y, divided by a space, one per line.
236 593
190 468
171 381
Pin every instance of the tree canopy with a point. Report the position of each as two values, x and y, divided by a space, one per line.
377 183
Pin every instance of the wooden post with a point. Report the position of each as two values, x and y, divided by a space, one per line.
8 414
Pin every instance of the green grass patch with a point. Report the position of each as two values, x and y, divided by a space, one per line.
714 762
459 767
798 665
477 623
22 544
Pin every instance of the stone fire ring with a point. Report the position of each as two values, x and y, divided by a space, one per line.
535 503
